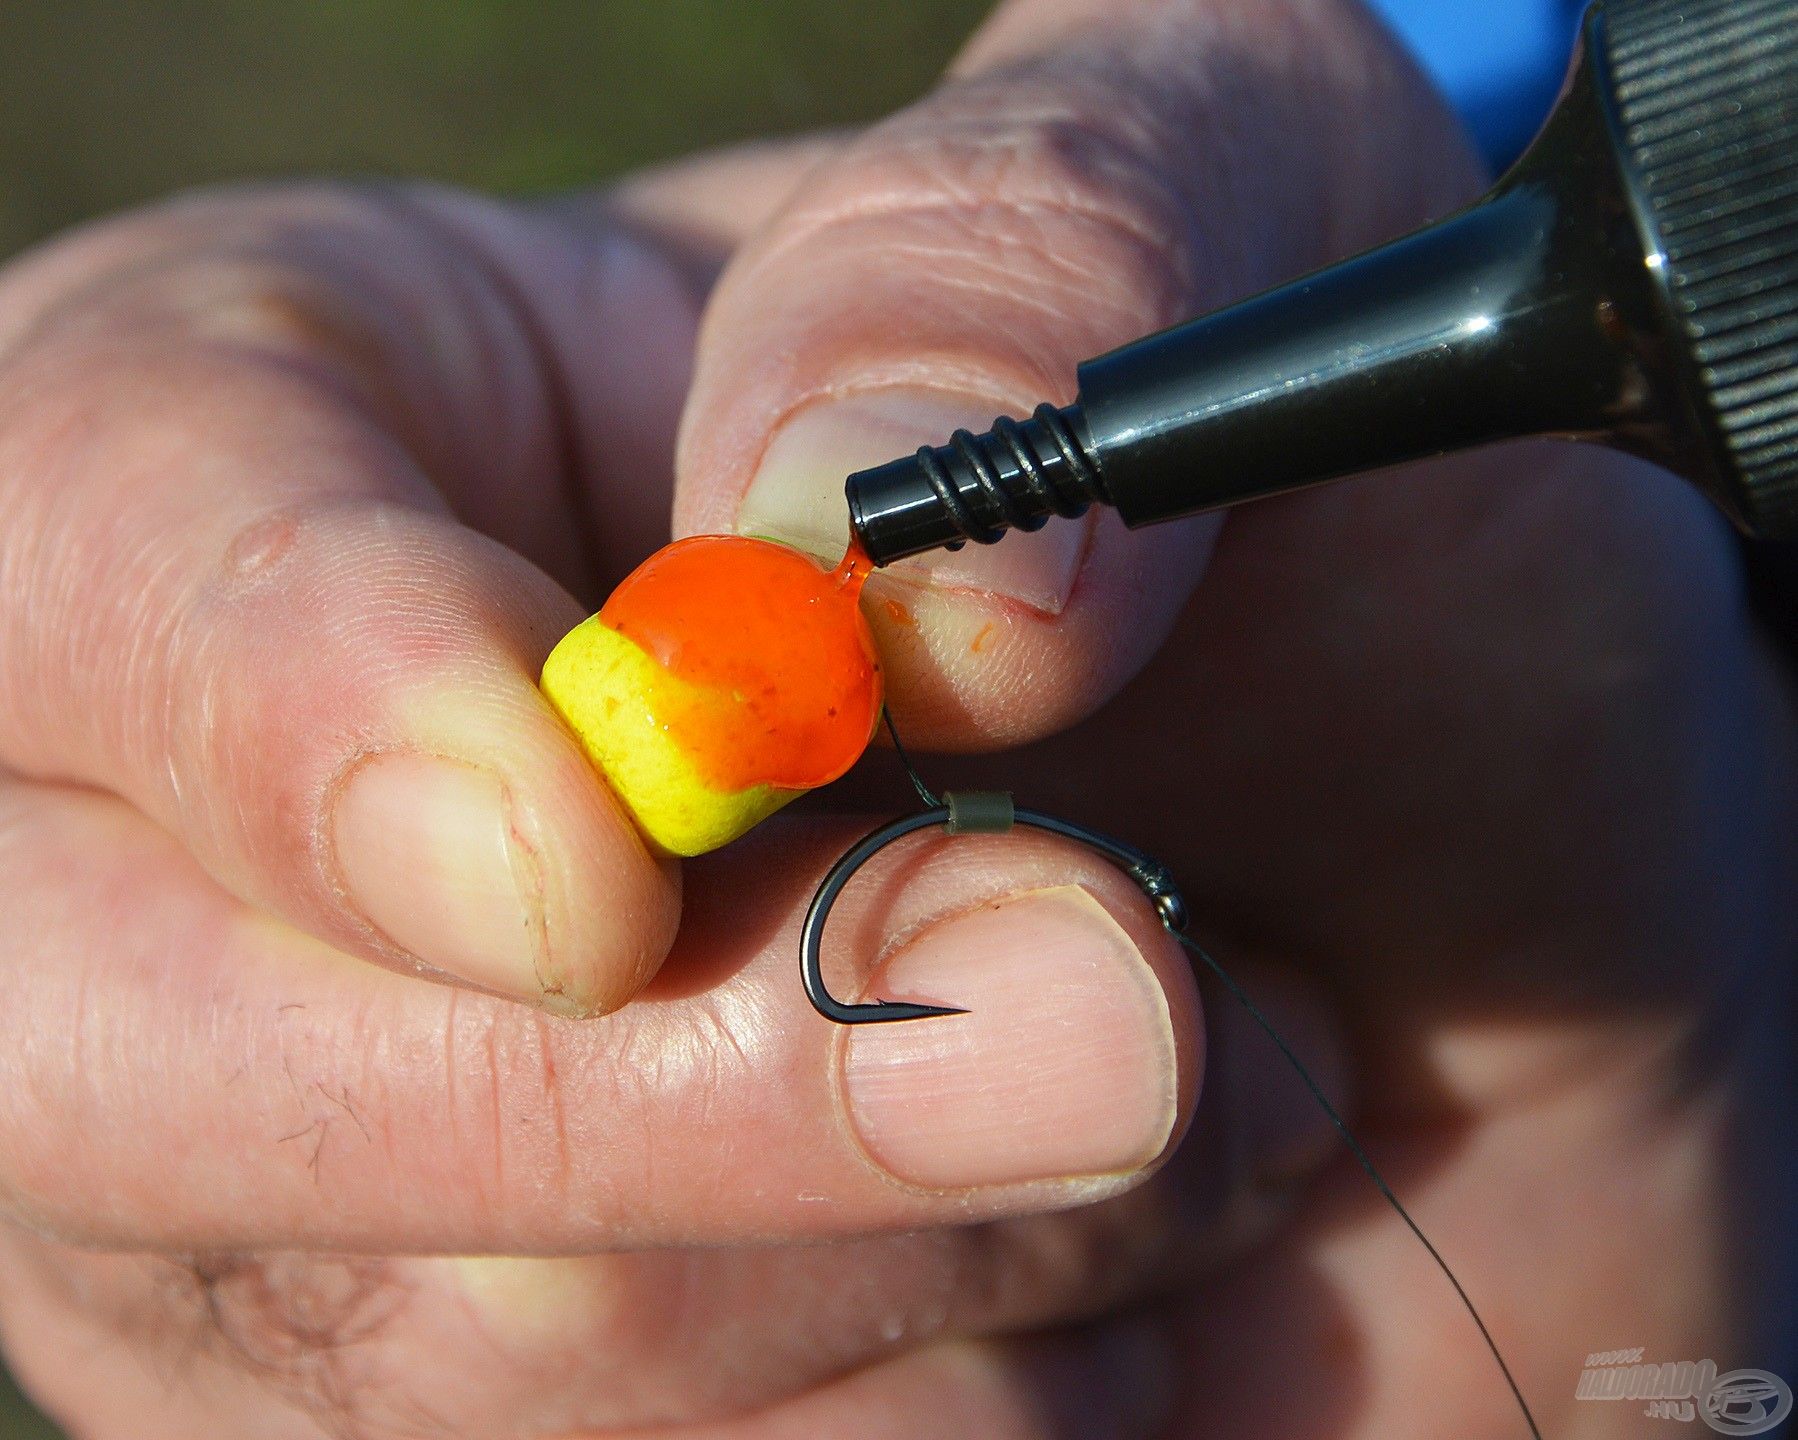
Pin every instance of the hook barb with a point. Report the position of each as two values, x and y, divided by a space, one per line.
811 934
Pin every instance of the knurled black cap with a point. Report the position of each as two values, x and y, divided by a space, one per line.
1704 94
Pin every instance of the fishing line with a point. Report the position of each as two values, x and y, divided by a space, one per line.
1359 1151
992 812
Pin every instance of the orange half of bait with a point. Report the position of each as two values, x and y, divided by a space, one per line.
724 677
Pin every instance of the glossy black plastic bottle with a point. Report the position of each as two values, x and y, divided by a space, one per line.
1632 281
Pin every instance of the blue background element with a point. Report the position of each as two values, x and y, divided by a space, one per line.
1500 61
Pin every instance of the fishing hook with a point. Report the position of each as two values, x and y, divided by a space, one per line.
991 812
968 812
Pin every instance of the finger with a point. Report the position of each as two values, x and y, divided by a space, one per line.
101 1374
1346 1317
1438 737
603 1342
1091 172
614 289
441 1349
113 1348
516 1339
578 1338
555 1338
312 1101
583 1343
235 596
1116 1381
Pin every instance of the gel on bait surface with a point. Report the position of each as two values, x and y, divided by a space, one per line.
782 676
723 678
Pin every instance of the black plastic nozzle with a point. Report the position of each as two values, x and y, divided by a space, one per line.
1632 281
1014 477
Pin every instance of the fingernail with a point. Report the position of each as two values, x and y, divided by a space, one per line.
797 494
531 1301
1063 1067
427 850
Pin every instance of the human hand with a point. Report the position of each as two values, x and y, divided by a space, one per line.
237 433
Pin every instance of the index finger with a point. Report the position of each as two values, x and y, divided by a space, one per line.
241 595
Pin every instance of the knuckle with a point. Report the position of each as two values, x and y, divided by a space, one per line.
352 287
318 1331
1047 192
291 1315
224 261
511 1082
520 1086
268 272
95 577
322 1338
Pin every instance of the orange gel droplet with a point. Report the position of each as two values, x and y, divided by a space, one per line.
789 681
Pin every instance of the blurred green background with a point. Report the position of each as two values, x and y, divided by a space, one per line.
106 104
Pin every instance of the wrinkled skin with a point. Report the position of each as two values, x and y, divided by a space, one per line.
1480 774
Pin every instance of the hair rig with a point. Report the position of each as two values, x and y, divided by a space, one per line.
988 812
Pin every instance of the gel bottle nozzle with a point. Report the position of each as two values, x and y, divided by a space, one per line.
1633 281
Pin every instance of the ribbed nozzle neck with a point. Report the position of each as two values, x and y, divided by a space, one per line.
1015 476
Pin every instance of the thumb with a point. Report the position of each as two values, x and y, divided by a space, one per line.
1092 170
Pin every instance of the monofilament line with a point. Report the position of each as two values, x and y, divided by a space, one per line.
1118 852
1241 997
911 770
